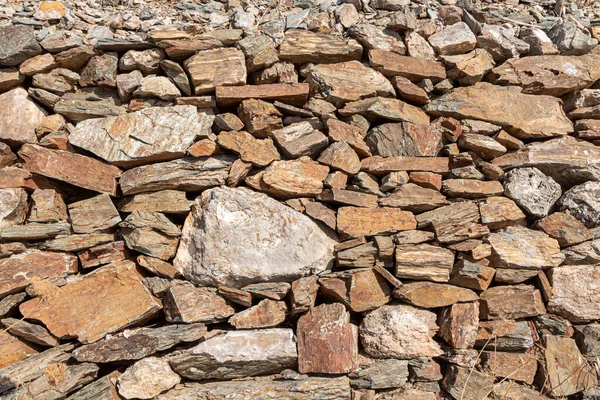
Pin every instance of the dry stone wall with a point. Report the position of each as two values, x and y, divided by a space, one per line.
301 200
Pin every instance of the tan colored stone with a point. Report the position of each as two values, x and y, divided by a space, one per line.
13 207
327 341
385 108
424 262
382 166
352 135
553 75
260 152
467 383
454 222
358 221
415 69
504 106
347 81
19 116
188 304
511 302
471 275
340 156
288 93
95 214
565 367
158 267
575 292
359 289
297 178
302 46
109 307
523 248
180 49
414 198
259 117
164 201
459 324
210 69
408 91
504 335
75 169
235 295
303 294
471 188
514 366
150 233
433 295
266 314
500 212
12 350
469 68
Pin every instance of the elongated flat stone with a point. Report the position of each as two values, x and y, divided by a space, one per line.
302 46
75 169
109 306
364 221
412 68
289 93
150 135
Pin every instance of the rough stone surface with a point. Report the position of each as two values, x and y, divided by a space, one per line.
575 292
19 116
146 379
218 214
533 191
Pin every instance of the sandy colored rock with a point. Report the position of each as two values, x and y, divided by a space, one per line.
471 188
472 275
424 261
385 108
340 156
266 314
146 379
511 302
187 174
467 383
19 116
373 37
160 87
103 254
259 117
553 75
504 106
13 350
565 367
303 294
575 292
415 69
504 335
209 69
327 341
300 139
347 81
523 248
13 207
433 295
164 201
31 333
500 212
260 152
358 221
400 331
75 169
454 222
218 215
470 68
454 39
17 271
358 289
297 178
287 93
153 134
237 354
382 166
109 307
302 46
157 266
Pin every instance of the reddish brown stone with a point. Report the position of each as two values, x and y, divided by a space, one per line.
187 303
289 93
114 298
566 229
514 366
459 324
415 69
12 350
266 314
428 180
256 151
511 302
17 271
433 295
359 221
359 289
103 254
327 341
303 294
75 169
382 166
471 188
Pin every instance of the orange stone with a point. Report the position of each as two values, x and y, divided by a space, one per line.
362 221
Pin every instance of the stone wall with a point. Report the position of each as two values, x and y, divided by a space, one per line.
363 200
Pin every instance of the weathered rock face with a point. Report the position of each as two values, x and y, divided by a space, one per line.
533 191
219 67
505 106
581 201
19 116
109 307
551 75
575 292
300 46
347 81
522 248
400 332
327 341
237 217
147 379
153 134
237 354
18 44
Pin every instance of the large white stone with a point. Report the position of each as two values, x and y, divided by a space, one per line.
237 237
19 117
152 134
146 379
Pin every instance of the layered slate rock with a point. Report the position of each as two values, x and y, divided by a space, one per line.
153 134
109 307
237 237
219 67
576 292
523 248
327 341
301 46
362 221
75 169
237 354
348 81
400 331
313 388
412 68
523 115
552 75
17 271
19 117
